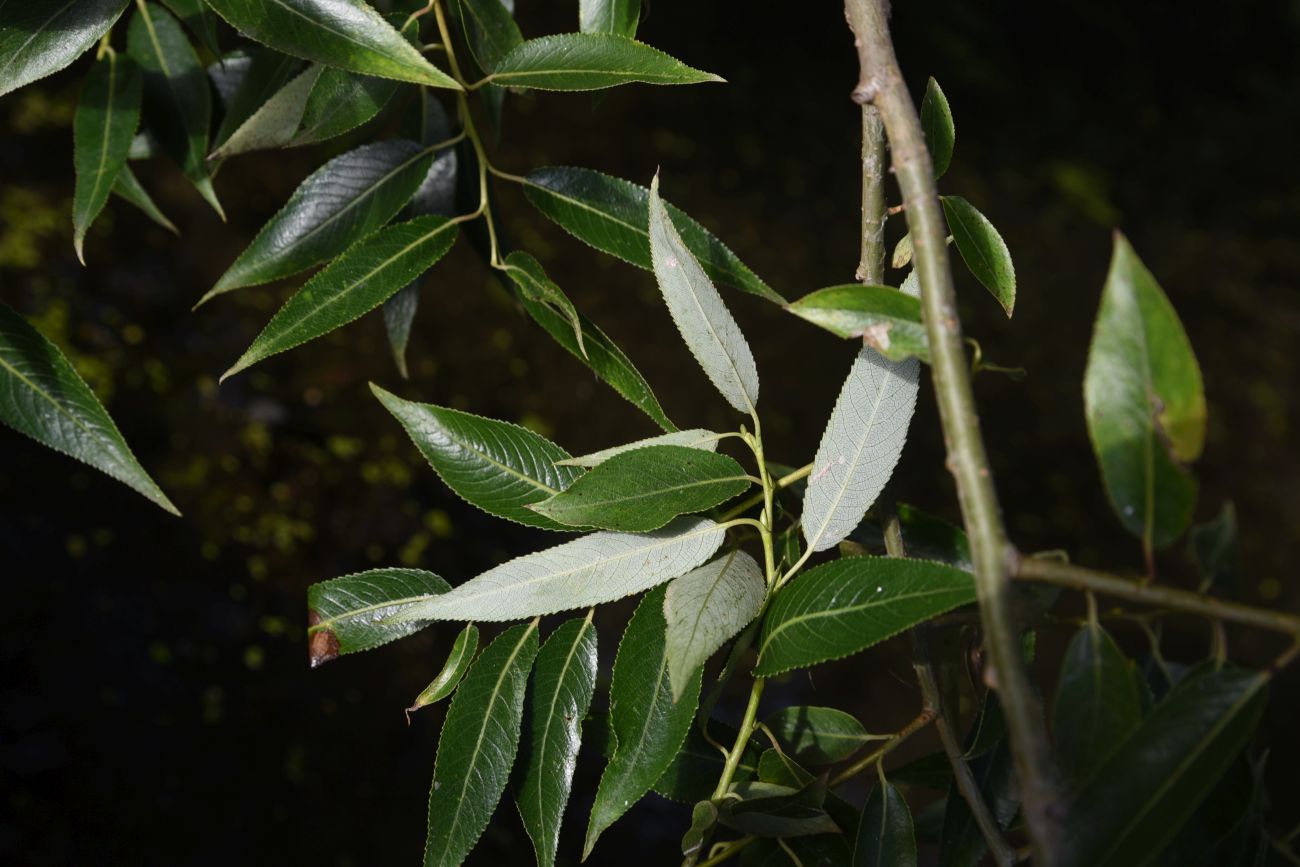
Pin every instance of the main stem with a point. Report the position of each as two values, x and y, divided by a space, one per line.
881 84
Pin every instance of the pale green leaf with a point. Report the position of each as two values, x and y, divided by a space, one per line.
706 607
248 81
696 438
276 121
887 320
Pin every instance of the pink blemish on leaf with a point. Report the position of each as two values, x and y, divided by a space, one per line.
672 262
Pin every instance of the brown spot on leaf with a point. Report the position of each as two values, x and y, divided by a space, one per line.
877 336
323 644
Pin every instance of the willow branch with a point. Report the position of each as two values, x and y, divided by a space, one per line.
871 266
881 84
873 758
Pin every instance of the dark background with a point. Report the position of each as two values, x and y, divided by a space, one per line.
155 703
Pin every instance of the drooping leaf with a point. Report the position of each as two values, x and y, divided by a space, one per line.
348 34
587 571
706 325
847 605
860 446
619 17
817 735
339 102
885 835
590 61
564 678
530 277
647 725
982 249
494 465
936 123
1144 401
194 14
349 614
611 215
358 281
775 766
40 38
962 844
490 30
128 187
43 396
107 115
1214 550
261 73
886 319
399 314
275 122
771 810
1138 800
694 771
706 607
339 203
644 489
177 101
1097 702
696 438
477 747
453 669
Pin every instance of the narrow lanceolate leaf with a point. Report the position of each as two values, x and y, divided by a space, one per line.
1138 800
611 215
590 61
499 467
341 202
696 438
478 745
198 19
647 724
128 187
274 123
1097 702
399 315
936 123
453 669
860 446
349 614
355 283
619 17
490 31
885 834
644 489
348 34
706 607
177 100
43 396
706 325
962 843
597 568
886 319
530 277
817 735
772 810
564 678
847 605
341 101
40 38
107 115
982 249
1145 402
261 73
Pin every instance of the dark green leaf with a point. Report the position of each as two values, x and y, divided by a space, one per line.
846 606
529 276
695 769
619 17
399 314
489 29
886 319
1228 829
590 61
494 465
770 810
40 37
696 438
200 21
644 489
817 735
647 725
341 101
355 283
929 537
562 684
107 115
704 816
885 835
453 669
932 771
705 608
345 33
982 249
128 187
1145 403
936 123
776 767
261 73
349 614
823 850
1215 551
611 215
477 747
1097 702
962 843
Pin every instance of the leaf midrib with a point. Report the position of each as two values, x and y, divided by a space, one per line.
851 609
107 130
550 714
57 405
35 33
588 503
365 609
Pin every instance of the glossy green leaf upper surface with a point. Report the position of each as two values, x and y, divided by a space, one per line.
40 38
645 488
817 735
705 607
489 29
612 215
885 834
648 726
348 34
564 678
339 102
847 605
453 669
590 61
338 204
1145 402
888 320
982 249
587 571
477 748
936 123
499 467
358 281
107 115
619 17
696 438
1097 702
349 614
43 396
